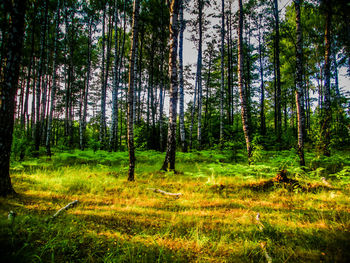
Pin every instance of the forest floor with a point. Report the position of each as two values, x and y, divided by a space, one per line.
223 215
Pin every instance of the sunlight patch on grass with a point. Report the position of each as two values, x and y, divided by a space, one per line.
214 220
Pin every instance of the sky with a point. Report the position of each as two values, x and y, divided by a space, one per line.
190 51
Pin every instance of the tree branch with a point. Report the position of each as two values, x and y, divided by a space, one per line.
165 193
72 204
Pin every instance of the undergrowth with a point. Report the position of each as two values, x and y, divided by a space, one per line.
214 220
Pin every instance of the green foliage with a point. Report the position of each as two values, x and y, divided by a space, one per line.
214 219
22 145
330 165
94 144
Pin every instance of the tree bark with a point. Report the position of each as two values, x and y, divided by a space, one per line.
299 82
278 107
222 87
103 86
193 111
206 117
169 162
136 8
25 107
327 110
82 126
114 126
39 79
262 88
181 79
199 72
242 91
54 74
8 90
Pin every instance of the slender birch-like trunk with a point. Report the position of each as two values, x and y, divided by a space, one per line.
192 112
161 106
169 162
327 110
199 72
114 126
29 76
136 8
222 70
262 84
181 79
242 90
39 78
54 84
103 86
278 98
299 82
82 127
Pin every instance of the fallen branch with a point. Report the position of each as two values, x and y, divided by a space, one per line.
324 181
72 204
267 256
177 195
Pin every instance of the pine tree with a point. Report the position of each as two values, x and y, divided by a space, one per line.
8 90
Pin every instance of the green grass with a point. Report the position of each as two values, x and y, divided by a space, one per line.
213 221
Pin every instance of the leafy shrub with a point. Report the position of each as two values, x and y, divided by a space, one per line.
22 146
94 145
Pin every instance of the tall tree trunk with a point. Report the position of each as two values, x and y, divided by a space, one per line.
278 107
139 103
199 72
54 74
229 69
135 84
71 78
262 88
327 110
45 88
242 91
33 113
8 90
121 65
29 76
230 66
103 86
169 162
192 112
222 70
82 125
39 78
299 81
181 80
208 90
136 8
161 109
114 125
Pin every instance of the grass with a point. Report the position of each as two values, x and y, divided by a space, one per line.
213 221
